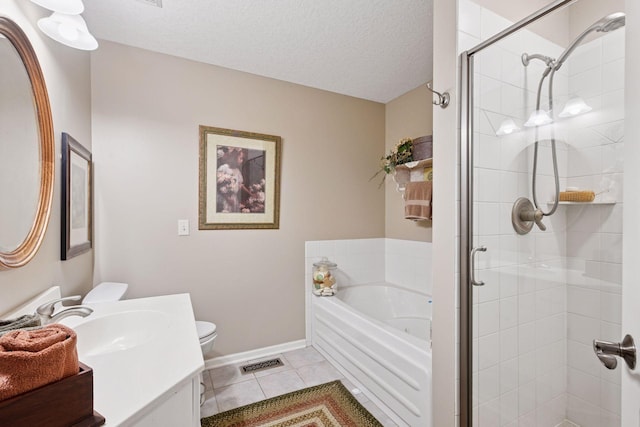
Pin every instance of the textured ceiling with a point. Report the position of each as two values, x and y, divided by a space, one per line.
370 49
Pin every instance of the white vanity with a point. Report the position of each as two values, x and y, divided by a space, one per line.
146 360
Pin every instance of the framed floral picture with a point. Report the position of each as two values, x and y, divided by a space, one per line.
239 180
77 193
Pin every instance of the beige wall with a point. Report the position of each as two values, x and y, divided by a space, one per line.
409 115
146 111
67 75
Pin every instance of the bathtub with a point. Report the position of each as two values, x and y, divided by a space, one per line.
379 334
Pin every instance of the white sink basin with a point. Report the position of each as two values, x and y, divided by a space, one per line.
119 331
129 345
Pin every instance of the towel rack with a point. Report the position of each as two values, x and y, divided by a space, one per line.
403 172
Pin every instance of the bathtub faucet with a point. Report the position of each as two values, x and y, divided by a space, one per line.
45 311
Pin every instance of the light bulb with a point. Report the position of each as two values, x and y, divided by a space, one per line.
508 126
574 106
538 118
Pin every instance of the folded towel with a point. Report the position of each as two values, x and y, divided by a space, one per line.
32 358
26 321
417 200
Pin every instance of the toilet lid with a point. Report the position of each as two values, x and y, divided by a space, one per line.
205 329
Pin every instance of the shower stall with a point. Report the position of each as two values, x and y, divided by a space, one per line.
542 132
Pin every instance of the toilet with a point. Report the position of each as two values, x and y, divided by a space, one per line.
207 335
114 291
106 292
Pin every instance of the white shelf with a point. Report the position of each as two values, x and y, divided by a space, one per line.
584 203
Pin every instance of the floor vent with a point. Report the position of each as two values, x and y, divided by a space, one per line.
259 366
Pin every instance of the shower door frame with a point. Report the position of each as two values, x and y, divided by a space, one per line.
466 205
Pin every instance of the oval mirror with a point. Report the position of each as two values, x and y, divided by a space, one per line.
26 149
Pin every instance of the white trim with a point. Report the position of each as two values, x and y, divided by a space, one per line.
259 353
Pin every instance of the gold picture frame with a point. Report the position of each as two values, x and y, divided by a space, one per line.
239 184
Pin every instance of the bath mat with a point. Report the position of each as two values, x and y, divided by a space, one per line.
325 405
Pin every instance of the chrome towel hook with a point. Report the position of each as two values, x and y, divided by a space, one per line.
443 98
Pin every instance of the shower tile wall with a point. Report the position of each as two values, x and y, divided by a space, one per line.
594 233
547 294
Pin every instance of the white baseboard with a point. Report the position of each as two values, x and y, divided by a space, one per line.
259 353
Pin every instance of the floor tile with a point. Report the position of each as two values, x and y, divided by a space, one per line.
206 379
227 388
226 375
304 356
210 406
239 394
281 383
319 373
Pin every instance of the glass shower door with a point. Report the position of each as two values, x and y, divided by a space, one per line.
547 137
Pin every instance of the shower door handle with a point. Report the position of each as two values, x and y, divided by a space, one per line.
475 282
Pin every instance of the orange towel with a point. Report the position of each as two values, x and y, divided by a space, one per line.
417 200
32 358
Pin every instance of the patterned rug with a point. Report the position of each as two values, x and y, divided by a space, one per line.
325 405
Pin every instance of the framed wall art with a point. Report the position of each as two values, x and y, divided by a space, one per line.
77 196
239 179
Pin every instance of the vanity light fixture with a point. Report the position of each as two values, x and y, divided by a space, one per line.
538 118
70 7
508 126
574 106
70 30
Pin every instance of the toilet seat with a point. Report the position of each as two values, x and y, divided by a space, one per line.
206 330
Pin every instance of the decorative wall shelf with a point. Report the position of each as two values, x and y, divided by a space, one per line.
410 172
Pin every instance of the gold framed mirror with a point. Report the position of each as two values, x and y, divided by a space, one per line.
36 164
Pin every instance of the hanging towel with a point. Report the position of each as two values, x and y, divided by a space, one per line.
32 358
26 321
417 200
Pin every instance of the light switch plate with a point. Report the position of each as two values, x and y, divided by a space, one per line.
183 227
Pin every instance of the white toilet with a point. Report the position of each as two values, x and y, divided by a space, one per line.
113 291
207 335
106 292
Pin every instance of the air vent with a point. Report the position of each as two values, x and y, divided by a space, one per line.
259 366
156 3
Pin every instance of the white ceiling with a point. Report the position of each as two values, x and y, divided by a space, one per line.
370 49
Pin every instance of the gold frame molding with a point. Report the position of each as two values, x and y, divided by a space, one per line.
28 248
209 218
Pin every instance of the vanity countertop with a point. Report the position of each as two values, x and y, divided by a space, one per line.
140 350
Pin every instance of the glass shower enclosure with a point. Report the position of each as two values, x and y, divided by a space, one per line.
542 132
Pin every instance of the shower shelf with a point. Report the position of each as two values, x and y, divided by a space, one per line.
584 203
410 171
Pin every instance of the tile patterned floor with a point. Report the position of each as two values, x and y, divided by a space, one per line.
227 388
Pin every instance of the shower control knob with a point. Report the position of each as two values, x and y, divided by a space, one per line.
537 217
524 215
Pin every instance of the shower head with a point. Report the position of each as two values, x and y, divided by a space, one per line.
604 25
612 22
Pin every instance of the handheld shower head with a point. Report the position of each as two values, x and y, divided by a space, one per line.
611 22
604 25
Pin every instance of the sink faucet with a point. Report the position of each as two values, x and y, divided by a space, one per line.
45 311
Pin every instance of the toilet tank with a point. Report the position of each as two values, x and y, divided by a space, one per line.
106 292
